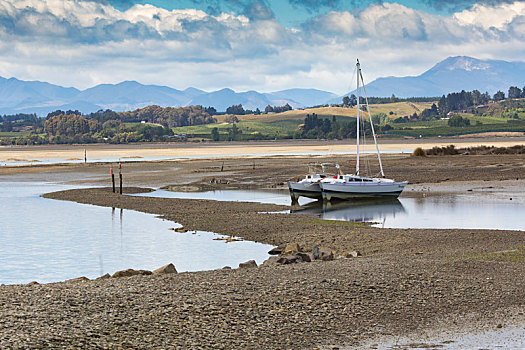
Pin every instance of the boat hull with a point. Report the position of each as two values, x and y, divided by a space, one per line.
361 190
310 190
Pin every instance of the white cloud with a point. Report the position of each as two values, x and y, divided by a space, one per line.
82 43
498 16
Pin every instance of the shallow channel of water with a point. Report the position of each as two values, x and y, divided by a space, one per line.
48 240
465 211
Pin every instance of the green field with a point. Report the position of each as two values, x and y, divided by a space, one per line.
249 129
14 133
504 116
286 124
441 127
398 109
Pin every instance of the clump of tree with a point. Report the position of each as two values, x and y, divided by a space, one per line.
31 139
169 116
233 132
210 110
458 121
352 100
103 116
71 128
70 125
405 119
231 119
516 92
457 101
499 96
430 113
60 112
6 126
146 132
380 118
215 134
18 117
315 127
236 109
21 122
277 109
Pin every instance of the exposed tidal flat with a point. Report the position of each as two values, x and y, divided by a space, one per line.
408 282
50 154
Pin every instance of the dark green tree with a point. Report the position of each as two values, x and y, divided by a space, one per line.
215 134
458 121
235 109
498 96
233 132
514 92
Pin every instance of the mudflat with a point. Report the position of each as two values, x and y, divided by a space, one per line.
407 281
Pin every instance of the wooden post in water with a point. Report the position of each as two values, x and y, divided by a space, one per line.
120 175
112 176
85 156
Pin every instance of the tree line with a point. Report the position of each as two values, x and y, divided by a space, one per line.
152 123
239 109
350 101
458 101
316 127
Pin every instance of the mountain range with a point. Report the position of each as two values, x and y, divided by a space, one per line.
450 75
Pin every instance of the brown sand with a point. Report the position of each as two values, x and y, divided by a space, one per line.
182 150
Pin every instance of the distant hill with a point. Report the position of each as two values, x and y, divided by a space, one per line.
303 97
225 98
297 98
18 96
452 75
130 95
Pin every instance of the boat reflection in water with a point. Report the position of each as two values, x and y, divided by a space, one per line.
377 210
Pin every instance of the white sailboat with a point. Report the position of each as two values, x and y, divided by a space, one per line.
351 186
309 185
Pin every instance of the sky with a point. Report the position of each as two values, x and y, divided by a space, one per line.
263 45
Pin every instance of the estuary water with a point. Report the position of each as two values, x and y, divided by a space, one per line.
471 210
47 240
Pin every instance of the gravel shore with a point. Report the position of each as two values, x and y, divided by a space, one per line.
407 281
298 306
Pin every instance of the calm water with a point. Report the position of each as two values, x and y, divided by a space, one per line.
472 210
48 240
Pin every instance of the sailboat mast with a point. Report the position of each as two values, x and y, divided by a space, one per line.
358 74
372 126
